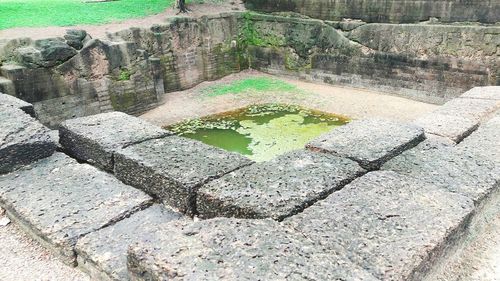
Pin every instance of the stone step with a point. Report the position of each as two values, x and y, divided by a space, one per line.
8 100
57 201
237 249
95 138
489 93
278 188
485 142
173 168
391 225
22 138
369 142
105 251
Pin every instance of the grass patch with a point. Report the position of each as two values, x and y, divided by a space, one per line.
40 13
251 85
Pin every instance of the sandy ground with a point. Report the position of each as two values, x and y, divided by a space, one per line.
350 102
100 31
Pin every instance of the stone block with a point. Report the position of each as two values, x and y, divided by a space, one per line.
103 254
22 139
391 225
485 142
451 168
95 138
7 86
489 93
235 249
173 168
278 188
9 100
369 142
469 108
456 128
58 200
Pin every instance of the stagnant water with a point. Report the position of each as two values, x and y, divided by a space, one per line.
261 132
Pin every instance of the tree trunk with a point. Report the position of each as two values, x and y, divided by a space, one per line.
181 5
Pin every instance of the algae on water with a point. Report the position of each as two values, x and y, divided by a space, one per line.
261 132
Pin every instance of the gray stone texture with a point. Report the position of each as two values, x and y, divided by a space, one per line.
103 254
58 201
470 108
22 139
451 168
173 168
485 142
8 100
95 138
369 142
456 128
235 249
278 188
391 225
488 93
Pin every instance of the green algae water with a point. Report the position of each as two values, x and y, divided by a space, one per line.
261 132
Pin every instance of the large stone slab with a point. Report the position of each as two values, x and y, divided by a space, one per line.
456 128
103 254
485 142
235 249
391 225
278 188
173 168
22 139
9 100
369 142
470 108
451 168
489 93
58 200
95 138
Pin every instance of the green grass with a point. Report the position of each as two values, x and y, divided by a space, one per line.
40 13
251 85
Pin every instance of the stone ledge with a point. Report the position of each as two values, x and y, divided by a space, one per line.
485 142
456 128
103 254
369 142
58 201
470 108
22 139
95 138
278 188
236 249
9 100
489 93
392 225
173 168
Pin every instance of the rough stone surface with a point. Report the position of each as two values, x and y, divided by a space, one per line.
455 128
489 93
234 249
278 188
54 51
103 254
469 108
485 142
58 201
369 142
95 138
391 225
173 168
22 139
9 100
451 168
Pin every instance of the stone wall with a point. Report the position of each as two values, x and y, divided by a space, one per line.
394 11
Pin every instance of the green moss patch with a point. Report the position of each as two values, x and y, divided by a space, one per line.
251 85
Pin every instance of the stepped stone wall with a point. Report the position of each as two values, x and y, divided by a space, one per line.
394 11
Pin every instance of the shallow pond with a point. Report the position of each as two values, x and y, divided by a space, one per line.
261 132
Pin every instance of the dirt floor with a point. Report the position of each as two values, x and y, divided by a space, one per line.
100 31
351 102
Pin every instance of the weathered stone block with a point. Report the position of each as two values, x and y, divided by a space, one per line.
58 201
470 108
22 139
455 128
451 168
485 142
369 142
234 249
95 138
489 93
391 225
9 100
103 254
278 188
173 168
